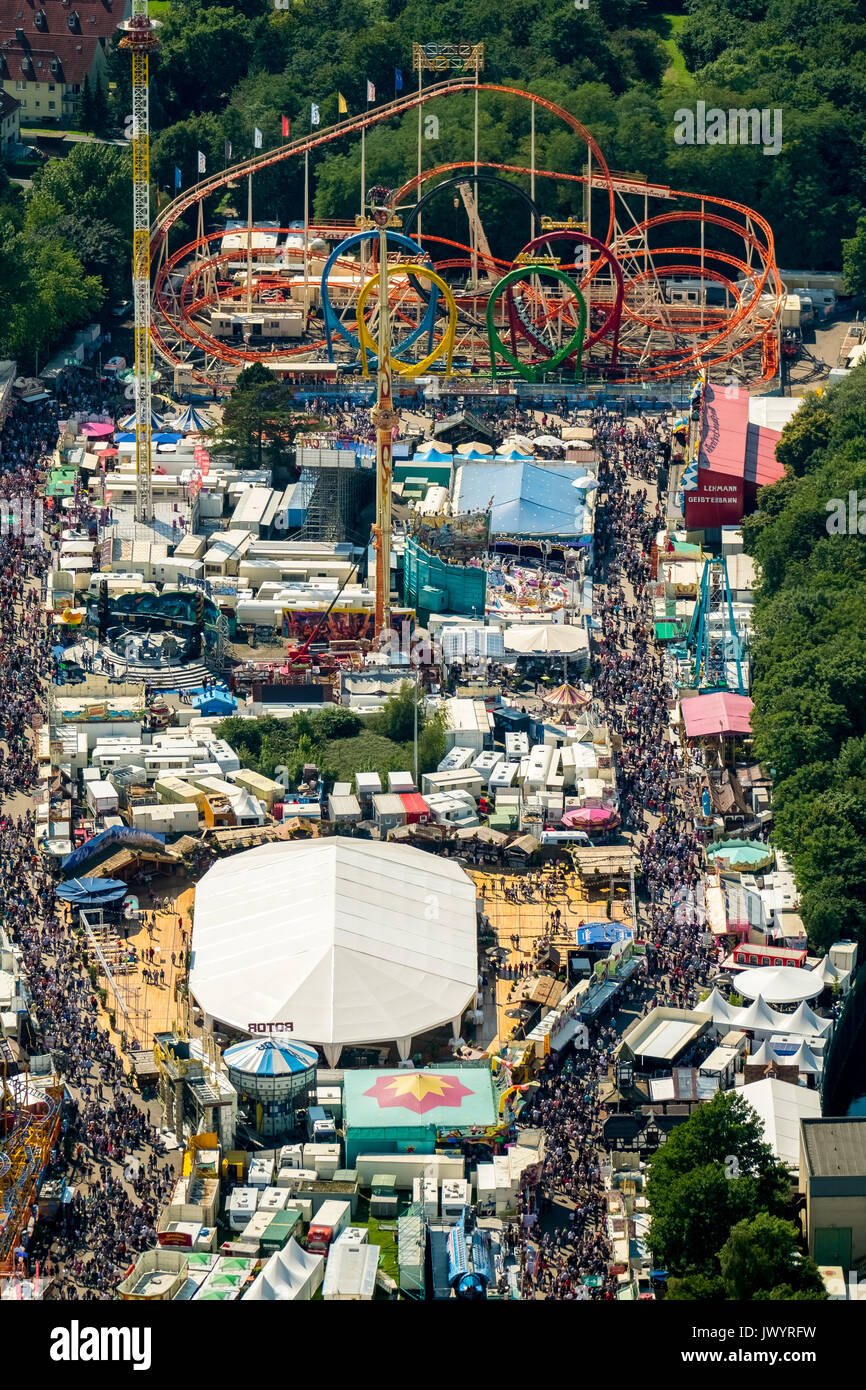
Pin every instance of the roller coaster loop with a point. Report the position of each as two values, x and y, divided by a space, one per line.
573 348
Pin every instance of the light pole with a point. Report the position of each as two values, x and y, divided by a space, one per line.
383 416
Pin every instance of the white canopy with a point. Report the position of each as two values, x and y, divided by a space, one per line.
780 1106
827 972
759 1017
778 984
291 1274
546 637
806 1022
717 1006
348 941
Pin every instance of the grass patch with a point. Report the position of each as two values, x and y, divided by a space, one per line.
157 9
669 27
383 1234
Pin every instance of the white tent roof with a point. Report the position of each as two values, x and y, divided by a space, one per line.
350 941
759 1016
781 1106
546 637
291 1273
778 984
804 1020
805 1059
717 1006
827 972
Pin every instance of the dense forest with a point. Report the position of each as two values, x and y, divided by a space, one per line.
809 539
621 66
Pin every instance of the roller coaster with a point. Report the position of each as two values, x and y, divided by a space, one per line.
606 306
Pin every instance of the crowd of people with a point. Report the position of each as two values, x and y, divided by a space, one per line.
569 1257
109 1140
108 1145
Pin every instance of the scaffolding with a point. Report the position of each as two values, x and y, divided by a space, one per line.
714 643
333 489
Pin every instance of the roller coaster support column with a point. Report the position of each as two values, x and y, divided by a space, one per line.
384 416
139 39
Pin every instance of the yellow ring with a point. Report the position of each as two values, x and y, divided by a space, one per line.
447 343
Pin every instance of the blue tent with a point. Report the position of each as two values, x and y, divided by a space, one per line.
162 438
92 892
513 456
129 422
264 1057
432 456
192 421
215 703
117 835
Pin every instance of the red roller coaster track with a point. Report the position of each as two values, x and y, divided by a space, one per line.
656 334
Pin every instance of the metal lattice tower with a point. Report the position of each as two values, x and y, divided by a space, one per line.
714 643
139 39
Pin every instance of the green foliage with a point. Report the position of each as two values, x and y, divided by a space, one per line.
227 67
696 1288
714 1171
809 665
338 741
259 424
761 1257
854 259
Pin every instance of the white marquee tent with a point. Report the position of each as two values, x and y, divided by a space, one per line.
290 1275
348 941
778 984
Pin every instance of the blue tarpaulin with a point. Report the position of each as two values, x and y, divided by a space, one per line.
92 892
117 835
601 933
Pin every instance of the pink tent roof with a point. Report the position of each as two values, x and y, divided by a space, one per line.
590 815
718 712
97 429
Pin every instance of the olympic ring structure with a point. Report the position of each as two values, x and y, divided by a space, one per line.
640 323
445 347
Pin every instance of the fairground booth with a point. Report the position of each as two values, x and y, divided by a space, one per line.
411 1112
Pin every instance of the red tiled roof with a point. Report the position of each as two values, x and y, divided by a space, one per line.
74 48
8 105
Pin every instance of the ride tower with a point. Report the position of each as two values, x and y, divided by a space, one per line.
383 416
140 40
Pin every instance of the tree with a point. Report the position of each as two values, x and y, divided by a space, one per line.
396 719
696 1288
259 416
762 1255
86 109
100 107
714 1171
854 259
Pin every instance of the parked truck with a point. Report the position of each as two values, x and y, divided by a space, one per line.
331 1218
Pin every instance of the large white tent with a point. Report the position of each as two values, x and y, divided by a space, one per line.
778 984
780 1106
338 941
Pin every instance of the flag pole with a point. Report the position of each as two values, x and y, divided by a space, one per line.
420 110
306 232
250 244
363 202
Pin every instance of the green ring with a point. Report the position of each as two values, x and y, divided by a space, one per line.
529 373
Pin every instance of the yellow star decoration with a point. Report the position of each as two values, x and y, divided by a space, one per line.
417 1085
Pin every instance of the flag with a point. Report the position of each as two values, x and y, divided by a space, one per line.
177 178
285 127
342 108
314 115
228 149
257 138
371 91
398 79
202 162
